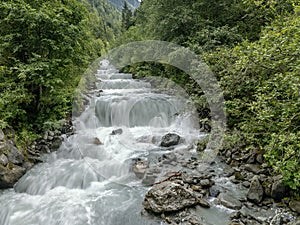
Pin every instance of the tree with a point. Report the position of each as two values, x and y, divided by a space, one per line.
127 17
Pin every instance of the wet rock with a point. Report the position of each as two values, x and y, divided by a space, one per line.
205 183
256 191
14 156
9 176
214 191
117 131
246 184
295 206
149 179
3 160
168 158
97 141
140 169
27 165
168 197
229 201
203 203
56 143
279 190
170 139
254 168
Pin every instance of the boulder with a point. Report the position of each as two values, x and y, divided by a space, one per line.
169 197
254 168
169 140
256 191
279 190
149 179
229 201
14 156
9 176
140 169
3 160
168 158
117 131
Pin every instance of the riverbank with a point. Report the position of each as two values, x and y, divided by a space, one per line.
238 182
14 162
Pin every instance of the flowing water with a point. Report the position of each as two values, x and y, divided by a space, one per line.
84 183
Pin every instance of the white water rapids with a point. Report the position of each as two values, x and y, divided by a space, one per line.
88 183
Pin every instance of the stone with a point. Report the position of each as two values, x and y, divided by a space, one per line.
205 183
149 180
256 191
203 203
169 158
3 160
246 184
214 191
279 190
295 206
117 131
27 165
97 141
229 201
169 197
140 169
56 143
9 176
260 158
169 140
254 168
196 188
14 156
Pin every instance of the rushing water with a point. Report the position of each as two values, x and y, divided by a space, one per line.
88 184
85 183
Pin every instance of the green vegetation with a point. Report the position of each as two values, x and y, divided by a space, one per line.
253 48
44 48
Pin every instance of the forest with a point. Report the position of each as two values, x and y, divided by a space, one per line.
252 46
253 49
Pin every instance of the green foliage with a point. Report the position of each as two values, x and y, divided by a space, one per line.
44 48
261 83
253 48
127 17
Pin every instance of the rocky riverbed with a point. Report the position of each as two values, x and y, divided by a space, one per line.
238 182
182 189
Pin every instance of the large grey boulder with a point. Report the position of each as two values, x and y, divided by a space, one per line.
169 140
9 176
14 156
279 190
229 201
256 191
169 197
